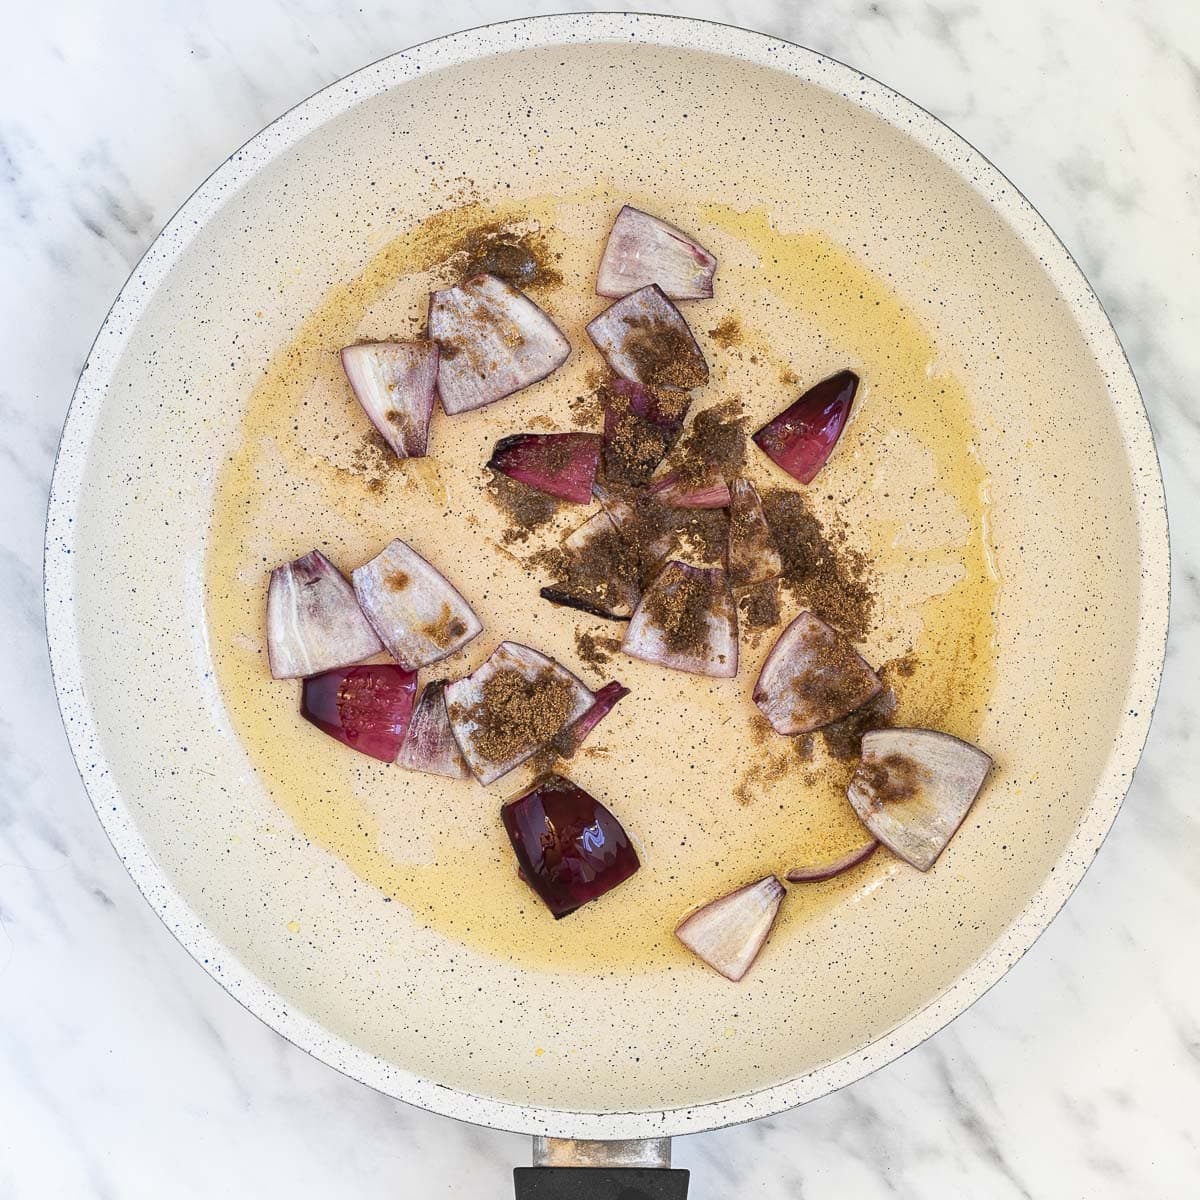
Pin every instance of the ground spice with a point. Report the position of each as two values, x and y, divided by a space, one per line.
526 509
522 258
728 333
594 649
600 577
843 739
893 778
758 606
445 629
659 532
663 354
679 604
515 713
820 568
713 444
635 444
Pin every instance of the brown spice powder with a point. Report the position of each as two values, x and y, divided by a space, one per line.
679 603
713 444
595 650
526 510
820 568
758 606
445 629
523 259
728 333
663 354
515 714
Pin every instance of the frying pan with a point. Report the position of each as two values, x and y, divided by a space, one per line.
601 1062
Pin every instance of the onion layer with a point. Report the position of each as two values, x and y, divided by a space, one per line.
366 707
914 787
574 734
642 249
314 622
510 707
803 436
645 339
816 872
753 557
560 464
494 341
812 677
395 382
672 491
686 621
729 933
429 745
420 616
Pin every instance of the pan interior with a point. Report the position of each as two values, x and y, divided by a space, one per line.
984 475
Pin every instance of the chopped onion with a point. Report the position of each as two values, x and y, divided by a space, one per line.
672 491
641 425
494 341
642 249
812 677
466 699
687 621
753 557
419 615
570 849
835 867
644 338
429 745
314 622
612 593
559 464
366 707
395 382
803 436
574 734
914 787
729 933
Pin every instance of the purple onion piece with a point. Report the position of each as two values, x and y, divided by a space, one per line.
673 492
729 933
429 745
419 615
494 341
366 707
753 557
643 249
802 437
816 872
395 382
314 622
562 465
645 339
574 734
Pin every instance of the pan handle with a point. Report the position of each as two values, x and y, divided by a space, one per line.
565 1169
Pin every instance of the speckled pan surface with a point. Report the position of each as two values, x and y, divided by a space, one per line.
770 151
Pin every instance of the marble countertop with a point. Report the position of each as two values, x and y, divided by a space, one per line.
126 1072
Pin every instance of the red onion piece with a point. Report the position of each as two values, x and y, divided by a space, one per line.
575 734
687 622
314 622
559 464
914 787
420 616
835 867
465 700
753 557
494 341
642 249
366 708
728 933
675 493
803 436
641 425
569 847
812 677
429 745
598 574
644 338
395 382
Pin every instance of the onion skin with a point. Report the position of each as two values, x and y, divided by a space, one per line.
420 616
835 867
367 708
396 384
644 249
314 622
494 341
562 465
802 437
913 789
729 933
812 677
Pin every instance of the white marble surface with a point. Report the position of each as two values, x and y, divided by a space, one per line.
126 1072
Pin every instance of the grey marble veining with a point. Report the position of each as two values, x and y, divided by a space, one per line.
125 1072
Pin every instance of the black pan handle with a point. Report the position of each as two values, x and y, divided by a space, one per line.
600 1183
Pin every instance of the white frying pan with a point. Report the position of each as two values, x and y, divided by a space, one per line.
325 894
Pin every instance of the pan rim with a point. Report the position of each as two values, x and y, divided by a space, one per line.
477 44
